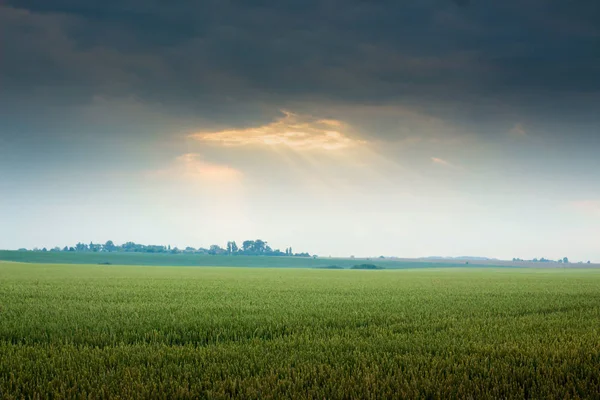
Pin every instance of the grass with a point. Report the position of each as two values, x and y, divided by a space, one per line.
159 259
70 331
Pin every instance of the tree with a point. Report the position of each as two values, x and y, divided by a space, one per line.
565 260
95 247
128 246
81 247
248 245
215 249
109 246
231 247
259 246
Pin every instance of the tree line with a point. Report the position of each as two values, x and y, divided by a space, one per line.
564 260
256 247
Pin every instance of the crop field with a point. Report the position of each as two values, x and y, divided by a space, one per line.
201 260
79 331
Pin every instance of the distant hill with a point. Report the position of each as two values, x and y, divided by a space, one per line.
183 259
460 258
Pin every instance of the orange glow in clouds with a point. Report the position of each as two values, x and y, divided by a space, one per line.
292 131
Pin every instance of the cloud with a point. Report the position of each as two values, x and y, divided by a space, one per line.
589 207
292 131
518 130
209 56
462 3
192 167
215 64
442 162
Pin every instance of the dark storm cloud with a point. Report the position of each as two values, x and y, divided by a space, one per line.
210 56
462 3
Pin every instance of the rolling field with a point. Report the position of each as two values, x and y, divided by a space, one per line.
200 260
70 331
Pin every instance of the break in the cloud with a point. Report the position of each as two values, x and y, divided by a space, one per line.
191 166
292 131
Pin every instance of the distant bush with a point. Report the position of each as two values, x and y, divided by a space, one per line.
104 263
330 267
366 266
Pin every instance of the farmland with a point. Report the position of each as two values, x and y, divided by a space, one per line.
200 260
157 332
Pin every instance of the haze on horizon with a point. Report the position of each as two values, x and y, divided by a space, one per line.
411 129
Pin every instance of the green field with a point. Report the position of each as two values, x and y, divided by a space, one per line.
200 260
71 331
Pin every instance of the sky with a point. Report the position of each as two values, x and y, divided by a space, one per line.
366 128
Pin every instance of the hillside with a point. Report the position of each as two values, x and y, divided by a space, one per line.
208 260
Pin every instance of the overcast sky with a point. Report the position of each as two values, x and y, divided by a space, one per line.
407 128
